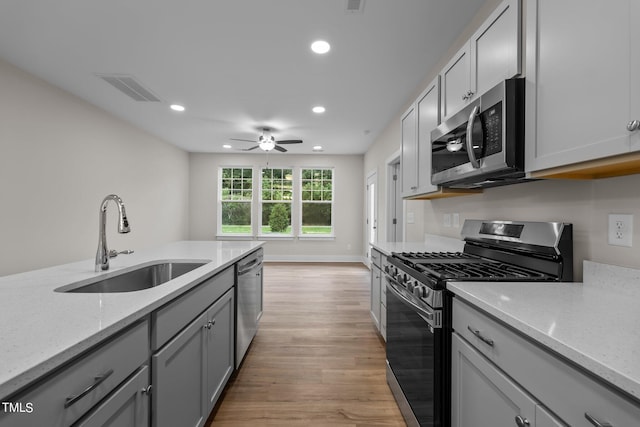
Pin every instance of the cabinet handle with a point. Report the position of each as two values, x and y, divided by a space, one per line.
633 125
147 390
465 97
470 94
484 339
97 381
521 422
595 422
209 324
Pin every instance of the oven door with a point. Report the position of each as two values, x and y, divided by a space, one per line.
416 354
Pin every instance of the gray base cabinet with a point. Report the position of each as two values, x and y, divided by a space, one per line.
190 372
127 407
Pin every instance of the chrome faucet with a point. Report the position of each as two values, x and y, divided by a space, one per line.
103 254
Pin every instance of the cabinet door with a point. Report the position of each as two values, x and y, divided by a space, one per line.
495 48
481 394
634 91
128 406
179 378
455 79
220 348
428 111
409 153
376 278
545 419
579 81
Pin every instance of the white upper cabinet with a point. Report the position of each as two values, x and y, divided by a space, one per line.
428 113
490 56
634 90
582 85
409 153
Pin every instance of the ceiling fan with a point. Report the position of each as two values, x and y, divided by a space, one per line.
267 142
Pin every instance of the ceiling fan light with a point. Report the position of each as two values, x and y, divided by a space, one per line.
266 143
318 109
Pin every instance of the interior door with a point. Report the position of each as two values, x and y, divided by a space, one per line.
372 209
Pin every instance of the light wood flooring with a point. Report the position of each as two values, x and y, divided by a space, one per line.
316 360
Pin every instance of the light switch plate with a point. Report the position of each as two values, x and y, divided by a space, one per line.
455 220
620 230
447 220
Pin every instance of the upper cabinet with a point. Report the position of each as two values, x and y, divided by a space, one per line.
417 123
583 95
491 55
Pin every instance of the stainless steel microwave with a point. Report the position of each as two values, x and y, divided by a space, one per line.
482 145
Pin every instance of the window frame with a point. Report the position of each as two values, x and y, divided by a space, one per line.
260 202
251 202
300 234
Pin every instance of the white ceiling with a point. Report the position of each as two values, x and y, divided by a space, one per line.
239 65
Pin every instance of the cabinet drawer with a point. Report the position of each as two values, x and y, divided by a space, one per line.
376 257
562 387
113 361
170 319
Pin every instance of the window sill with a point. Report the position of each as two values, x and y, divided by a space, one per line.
234 237
316 237
275 237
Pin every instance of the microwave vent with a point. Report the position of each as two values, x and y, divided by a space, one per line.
129 86
355 6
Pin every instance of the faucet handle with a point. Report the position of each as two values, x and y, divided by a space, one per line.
113 253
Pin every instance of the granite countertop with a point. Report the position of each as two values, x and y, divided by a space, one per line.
594 324
42 329
432 243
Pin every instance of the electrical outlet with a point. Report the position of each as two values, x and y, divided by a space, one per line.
455 220
447 220
621 230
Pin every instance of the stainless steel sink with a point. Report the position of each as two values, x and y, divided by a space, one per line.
135 279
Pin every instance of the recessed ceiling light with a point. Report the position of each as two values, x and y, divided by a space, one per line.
319 109
176 107
227 146
320 47
317 148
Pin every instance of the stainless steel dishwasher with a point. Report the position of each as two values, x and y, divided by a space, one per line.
248 302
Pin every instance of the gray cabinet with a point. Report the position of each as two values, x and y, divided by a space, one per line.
190 372
376 280
482 395
569 118
563 394
128 406
409 153
69 394
491 55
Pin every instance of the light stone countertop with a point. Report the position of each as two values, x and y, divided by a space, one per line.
41 329
594 324
432 243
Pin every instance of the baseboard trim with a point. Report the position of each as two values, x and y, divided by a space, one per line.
315 258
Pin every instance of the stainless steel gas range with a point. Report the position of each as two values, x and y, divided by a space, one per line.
419 307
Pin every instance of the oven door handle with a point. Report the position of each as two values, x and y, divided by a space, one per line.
428 316
472 156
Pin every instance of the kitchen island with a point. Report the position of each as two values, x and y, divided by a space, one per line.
42 329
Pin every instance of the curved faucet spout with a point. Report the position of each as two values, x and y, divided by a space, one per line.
102 256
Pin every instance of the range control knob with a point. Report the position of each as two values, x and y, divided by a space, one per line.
411 285
420 291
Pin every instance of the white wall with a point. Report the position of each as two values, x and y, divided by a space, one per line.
348 203
59 157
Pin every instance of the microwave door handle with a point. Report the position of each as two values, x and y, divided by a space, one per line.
472 156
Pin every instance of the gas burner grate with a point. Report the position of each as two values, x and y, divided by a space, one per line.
482 271
416 256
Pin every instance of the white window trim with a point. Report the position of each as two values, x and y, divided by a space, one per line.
276 236
235 236
332 235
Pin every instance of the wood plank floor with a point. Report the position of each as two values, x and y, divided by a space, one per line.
316 360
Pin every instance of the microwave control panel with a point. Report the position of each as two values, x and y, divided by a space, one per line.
492 124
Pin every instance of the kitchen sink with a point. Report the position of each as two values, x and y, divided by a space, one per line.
137 278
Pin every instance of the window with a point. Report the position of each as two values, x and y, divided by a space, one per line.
236 194
317 202
276 199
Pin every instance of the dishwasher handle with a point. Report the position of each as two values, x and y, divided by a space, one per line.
252 265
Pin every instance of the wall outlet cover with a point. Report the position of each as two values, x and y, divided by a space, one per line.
447 220
620 230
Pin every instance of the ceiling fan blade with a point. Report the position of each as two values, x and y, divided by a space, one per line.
249 149
290 141
280 149
243 140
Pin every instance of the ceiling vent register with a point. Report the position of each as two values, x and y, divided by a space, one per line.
130 87
355 6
